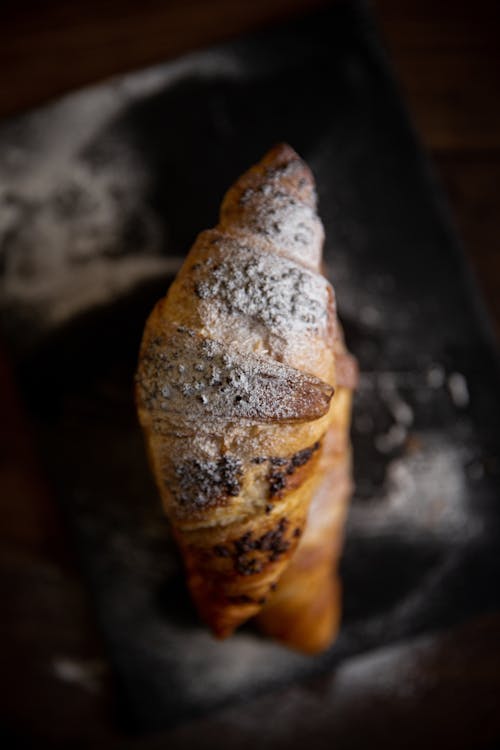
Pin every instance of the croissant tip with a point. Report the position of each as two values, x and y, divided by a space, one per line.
281 156
282 153
281 173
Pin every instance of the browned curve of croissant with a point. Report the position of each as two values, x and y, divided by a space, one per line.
304 612
235 389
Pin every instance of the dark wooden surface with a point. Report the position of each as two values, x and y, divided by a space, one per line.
55 683
447 58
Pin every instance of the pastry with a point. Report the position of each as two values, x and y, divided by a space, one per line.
235 386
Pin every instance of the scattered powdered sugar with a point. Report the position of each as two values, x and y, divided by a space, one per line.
459 392
388 385
73 236
400 410
87 674
370 316
425 487
429 485
76 228
326 711
393 438
226 666
425 490
436 376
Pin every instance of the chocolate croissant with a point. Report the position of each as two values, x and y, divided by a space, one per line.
237 370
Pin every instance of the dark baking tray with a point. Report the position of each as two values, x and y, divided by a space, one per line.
106 191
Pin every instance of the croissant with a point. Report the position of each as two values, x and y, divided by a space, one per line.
234 387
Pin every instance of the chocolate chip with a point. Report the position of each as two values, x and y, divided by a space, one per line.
221 551
278 461
248 566
277 482
207 483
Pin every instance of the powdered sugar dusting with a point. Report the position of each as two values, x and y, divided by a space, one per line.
459 391
277 200
75 235
274 291
184 374
425 491
86 674
234 658
289 224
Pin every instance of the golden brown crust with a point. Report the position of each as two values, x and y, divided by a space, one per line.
304 612
234 389
276 200
225 385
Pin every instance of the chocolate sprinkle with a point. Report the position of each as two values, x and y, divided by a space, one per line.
272 543
248 566
277 478
277 482
206 484
221 551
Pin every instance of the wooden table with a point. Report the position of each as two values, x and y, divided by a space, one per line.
55 684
